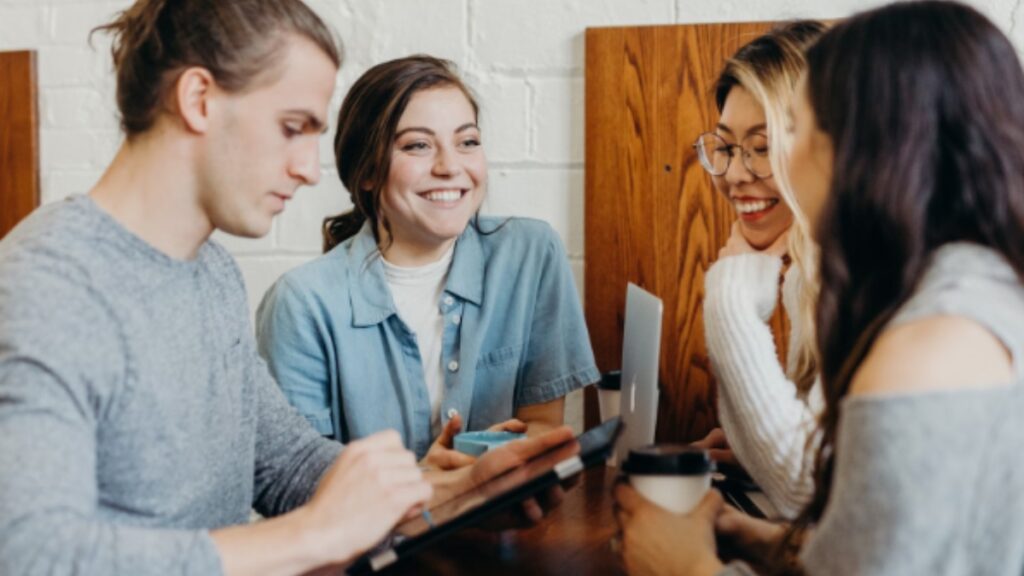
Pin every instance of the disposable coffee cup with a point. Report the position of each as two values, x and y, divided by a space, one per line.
609 390
672 476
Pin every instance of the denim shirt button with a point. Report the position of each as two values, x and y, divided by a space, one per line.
456 319
448 300
453 366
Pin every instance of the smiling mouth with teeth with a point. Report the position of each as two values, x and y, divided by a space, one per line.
754 206
444 195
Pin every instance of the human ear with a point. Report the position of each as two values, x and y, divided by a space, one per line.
193 92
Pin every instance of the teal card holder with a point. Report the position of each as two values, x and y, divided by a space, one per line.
476 443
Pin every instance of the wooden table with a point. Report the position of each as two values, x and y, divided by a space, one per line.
573 539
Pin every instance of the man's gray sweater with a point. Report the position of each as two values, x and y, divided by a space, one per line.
135 413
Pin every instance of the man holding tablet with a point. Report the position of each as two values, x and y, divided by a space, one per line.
138 425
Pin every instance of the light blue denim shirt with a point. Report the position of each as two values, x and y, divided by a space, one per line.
514 335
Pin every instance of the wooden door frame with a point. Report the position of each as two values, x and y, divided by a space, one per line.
19 138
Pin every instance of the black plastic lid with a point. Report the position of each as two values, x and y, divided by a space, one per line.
611 380
668 459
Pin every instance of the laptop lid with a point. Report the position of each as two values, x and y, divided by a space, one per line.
641 346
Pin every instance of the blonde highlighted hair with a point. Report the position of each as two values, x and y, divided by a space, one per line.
769 68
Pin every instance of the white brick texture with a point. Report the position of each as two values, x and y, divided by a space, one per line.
524 58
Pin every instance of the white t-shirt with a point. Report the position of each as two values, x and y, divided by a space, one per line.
417 294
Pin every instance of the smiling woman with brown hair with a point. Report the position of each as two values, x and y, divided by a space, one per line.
424 316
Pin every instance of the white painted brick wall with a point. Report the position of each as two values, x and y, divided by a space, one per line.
504 116
523 57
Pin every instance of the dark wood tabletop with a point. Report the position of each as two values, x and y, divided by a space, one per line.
572 539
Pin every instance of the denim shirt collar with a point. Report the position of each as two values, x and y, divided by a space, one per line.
369 293
466 276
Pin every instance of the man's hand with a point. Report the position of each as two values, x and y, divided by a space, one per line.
373 485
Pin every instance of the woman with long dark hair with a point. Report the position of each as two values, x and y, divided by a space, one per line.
909 157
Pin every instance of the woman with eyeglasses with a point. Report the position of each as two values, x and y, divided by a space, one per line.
766 410
909 137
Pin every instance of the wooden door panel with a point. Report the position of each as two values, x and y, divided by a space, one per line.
19 138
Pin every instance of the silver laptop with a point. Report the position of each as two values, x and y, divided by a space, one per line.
641 345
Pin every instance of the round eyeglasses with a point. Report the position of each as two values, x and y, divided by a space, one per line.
715 154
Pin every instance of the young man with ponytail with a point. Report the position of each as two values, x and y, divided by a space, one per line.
138 425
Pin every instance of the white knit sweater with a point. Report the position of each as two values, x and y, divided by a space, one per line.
766 422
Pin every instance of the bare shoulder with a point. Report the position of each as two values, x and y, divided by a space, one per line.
934 353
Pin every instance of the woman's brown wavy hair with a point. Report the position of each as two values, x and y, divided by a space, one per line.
367 125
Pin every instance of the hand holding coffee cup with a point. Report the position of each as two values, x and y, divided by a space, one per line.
672 476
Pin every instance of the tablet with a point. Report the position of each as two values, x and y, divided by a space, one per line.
470 508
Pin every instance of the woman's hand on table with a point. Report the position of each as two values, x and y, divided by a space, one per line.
656 541
513 456
442 454
717 446
509 457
